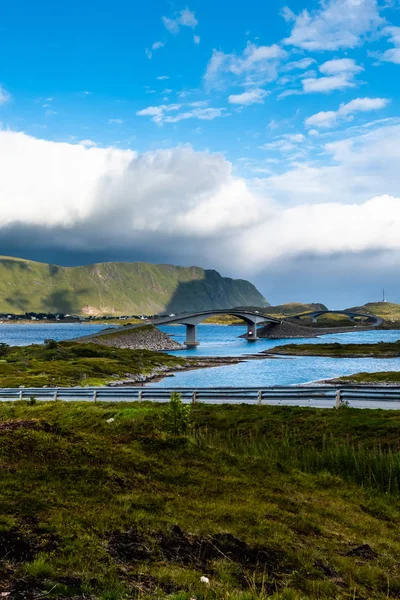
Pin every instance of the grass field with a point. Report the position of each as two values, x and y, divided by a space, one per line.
68 364
106 501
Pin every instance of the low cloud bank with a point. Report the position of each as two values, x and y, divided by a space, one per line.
185 206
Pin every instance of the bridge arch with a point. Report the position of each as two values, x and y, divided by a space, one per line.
251 318
374 320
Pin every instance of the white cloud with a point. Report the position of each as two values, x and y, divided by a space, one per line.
203 114
186 18
325 85
339 66
322 119
88 143
330 118
189 203
313 132
294 137
157 45
4 95
116 197
154 47
326 229
303 63
163 77
159 113
257 64
338 75
115 121
363 105
361 167
335 24
254 96
393 54
196 39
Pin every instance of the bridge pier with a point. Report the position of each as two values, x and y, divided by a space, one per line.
251 335
191 336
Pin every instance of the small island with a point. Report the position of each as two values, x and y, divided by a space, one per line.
336 350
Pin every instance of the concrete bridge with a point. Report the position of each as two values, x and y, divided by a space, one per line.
375 321
191 320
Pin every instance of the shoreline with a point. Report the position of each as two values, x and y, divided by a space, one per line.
205 362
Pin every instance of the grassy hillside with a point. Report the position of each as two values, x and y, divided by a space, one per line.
291 309
389 311
105 501
117 288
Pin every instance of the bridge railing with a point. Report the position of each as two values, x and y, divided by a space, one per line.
318 396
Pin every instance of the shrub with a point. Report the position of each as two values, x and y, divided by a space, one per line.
40 568
3 349
50 344
178 415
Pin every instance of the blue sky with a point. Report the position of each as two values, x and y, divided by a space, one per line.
261 122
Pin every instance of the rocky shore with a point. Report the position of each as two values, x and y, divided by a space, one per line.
147 337
160 372
286 329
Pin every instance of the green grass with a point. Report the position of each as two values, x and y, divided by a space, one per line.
336 350
68 364
389 311
267 502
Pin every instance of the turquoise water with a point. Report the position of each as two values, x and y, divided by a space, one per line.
222 340
35 333
216 340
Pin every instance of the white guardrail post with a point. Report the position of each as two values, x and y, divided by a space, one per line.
95 396
338 399
140 395
259 397
56 395
194 397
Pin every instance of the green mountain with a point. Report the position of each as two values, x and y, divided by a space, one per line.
117 289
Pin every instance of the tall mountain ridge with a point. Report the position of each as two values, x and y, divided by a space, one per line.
118 288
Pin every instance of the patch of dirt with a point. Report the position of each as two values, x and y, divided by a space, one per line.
30 588
190 550
16 547
325 568
24 424
365 551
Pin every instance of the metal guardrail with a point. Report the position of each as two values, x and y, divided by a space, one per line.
321 395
